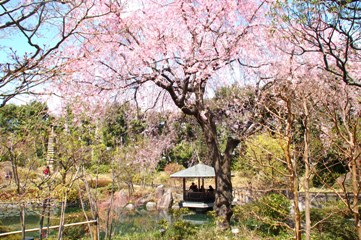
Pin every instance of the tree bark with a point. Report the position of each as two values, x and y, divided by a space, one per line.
307 172
295 192
291 165
307 201
292 170
356 193
42 216
222 168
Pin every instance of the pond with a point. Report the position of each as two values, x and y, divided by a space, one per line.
139 221
142 221
11 222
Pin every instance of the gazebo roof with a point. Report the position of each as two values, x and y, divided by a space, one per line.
199 170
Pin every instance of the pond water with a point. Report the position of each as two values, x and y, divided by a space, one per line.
143 221
139 221
32 220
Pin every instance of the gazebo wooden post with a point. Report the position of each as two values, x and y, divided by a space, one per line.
199 182
184 189
215 182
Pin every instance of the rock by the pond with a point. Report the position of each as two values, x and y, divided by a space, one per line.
166 201
176 206
159 192
120 200
130 207
178 197
142 201
151 206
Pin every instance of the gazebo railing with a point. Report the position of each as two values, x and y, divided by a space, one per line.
206 197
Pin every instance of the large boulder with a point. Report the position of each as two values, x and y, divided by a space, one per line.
166 201
159 192
130 207
176 206
143 200
120 201
178 197
151 206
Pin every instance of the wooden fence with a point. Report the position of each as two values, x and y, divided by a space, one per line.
95 235
246 195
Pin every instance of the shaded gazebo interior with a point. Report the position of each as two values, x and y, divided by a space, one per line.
199 172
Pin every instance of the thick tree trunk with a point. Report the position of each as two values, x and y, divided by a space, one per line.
223 192
222 168
224 186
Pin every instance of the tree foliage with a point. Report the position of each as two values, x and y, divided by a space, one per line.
40 29
329 28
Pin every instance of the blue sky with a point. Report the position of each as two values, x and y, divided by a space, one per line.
12 39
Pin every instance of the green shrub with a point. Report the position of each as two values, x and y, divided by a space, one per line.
338 226
109 188
72 193
101 169
179 228
78 231
152 235
265 215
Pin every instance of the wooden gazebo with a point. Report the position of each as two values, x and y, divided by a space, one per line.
200 199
